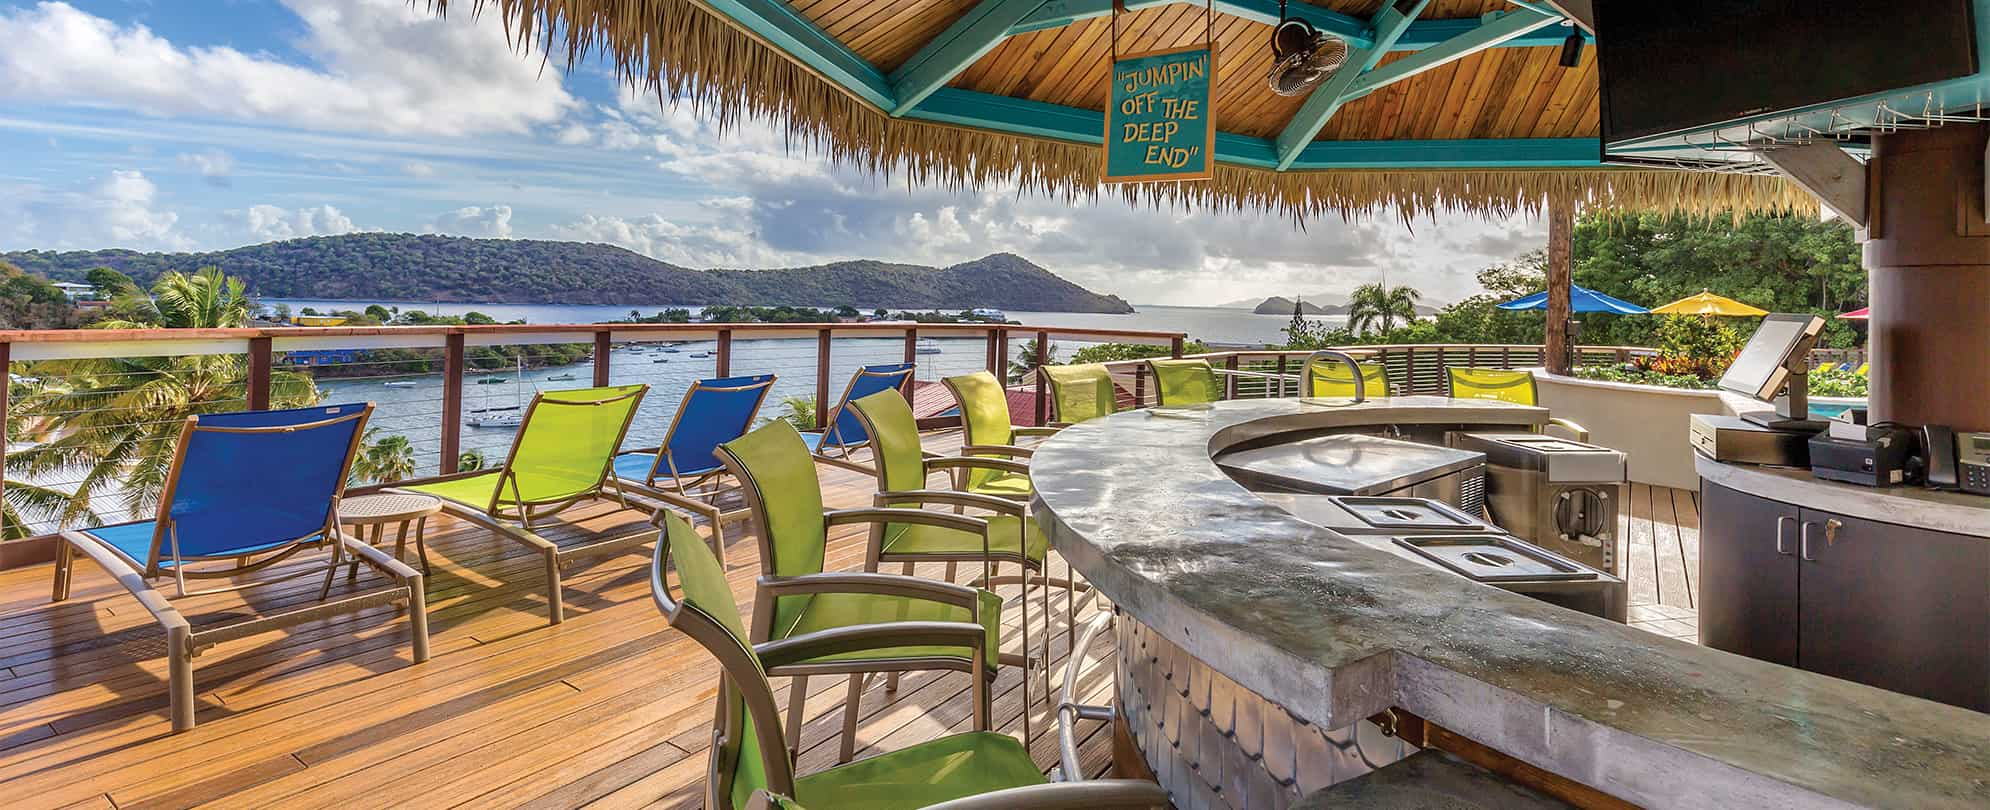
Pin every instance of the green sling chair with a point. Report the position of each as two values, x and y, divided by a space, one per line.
1081 392
750 761
563 455
1189 381
795 598
984 416
903 470
1506 385
1332 380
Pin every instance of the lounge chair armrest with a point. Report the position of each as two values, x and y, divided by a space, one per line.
966 523
378 558
154 602
1009 450
658 502
1035 431
1581 433
881 584
1001 464
860 637
950 498
1061 425
1098 794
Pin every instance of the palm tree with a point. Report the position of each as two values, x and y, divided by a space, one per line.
29 507
801 412
471 461
1024 364
384 460
115 420
1378 305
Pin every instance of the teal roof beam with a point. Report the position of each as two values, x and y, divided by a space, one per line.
1493 29
779 24
1428 33
968 39
1325 100
1059 13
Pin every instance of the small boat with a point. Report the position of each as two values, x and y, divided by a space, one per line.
700 355
496 420
989 313
671 350
661 360
927 346
561 378
400 383
491 380
635 349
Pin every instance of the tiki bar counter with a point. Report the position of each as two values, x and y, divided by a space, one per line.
1263 657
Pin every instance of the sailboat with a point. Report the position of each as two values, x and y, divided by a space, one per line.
927 346
502 416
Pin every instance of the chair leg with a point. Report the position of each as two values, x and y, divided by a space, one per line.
848 746
1027 734
418 614
1043 590
797 695
556 609
891 678
421 544
179 676
64 556
952 570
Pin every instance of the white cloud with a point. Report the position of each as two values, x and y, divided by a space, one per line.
416 168
574 135
264 223
214 166
493 221
122 209
387 66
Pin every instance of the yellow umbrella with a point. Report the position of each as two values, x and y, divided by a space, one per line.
1706 303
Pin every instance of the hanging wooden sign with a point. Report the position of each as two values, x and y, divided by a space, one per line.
1159 125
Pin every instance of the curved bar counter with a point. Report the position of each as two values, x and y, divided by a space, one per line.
1251 602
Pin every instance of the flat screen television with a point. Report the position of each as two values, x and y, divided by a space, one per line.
1671 65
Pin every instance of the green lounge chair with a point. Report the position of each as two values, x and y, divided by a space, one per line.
1506 385
984 414
563 455
795 598
244 491
751 765
903 470
1080 393
1333 380
1190 381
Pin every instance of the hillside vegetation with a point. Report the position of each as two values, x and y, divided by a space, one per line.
427 268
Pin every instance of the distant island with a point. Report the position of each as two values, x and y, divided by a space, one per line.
449 269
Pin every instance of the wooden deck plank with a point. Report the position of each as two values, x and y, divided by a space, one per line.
1671 570
1640 555
1686 510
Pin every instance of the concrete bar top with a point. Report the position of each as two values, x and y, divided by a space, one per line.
1335 631
1952 512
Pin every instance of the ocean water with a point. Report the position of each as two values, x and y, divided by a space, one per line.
1211 324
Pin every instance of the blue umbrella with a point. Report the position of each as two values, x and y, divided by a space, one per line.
1581 299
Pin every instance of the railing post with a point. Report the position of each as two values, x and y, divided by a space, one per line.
988 353
1001 368
260 357
1042 379
911 356
822 379
603 346
6 406
1281 378
1175 348
452 400
1409 368
1230 380
1506 357
1140 386
724 364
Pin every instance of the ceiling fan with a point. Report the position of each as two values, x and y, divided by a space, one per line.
1305 56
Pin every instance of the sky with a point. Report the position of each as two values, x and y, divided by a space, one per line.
206 124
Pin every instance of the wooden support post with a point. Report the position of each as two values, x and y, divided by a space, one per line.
1281 379
1042 379
1409 369
7 365
1140 386
452 400
260 358
1230 380
724 364
1561 226
822 405
603 345
1175 348
1001 369
988 353
911 356
1506 357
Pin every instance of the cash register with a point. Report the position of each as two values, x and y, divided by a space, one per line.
1774 369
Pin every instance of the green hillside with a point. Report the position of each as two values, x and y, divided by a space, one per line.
410 267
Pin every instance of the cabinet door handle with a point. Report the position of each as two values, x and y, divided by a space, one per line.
1803 542
1781 521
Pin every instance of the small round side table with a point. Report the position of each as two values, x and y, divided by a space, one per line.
377 510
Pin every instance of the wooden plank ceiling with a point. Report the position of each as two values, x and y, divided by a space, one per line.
1494 94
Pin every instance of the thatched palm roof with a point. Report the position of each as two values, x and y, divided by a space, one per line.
841 76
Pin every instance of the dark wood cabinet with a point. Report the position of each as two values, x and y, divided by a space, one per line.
1891 606
1896 607
1748 575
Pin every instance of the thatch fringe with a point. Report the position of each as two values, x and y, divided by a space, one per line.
685 53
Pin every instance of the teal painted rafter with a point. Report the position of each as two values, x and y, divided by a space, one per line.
1038 119
969 38
1494 29
779 23
1325 100
1059 13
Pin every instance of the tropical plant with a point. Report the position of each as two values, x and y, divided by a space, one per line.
1377 305
384 460
1117 352
801 412
1023 365
114 421
471 461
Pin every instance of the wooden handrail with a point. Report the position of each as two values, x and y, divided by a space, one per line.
662 330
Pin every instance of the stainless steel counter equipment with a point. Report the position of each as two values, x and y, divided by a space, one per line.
1565 496
1355 464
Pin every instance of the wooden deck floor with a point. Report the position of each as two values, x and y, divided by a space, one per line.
610 709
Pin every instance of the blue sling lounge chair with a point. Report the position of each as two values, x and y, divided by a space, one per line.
684 471
244 492
846 432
